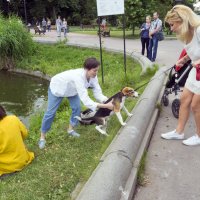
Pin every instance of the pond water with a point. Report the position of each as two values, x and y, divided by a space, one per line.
22 95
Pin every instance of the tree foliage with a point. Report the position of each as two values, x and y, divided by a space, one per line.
84 12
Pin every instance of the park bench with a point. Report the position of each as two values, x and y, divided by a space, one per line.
104 32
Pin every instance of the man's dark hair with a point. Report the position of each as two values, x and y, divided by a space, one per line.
91 63
2 112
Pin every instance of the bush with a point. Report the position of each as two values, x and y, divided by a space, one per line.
15 42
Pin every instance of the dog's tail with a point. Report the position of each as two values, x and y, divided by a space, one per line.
77 117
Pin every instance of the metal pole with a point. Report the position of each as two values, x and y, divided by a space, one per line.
101 60
8 7
124 35
25 11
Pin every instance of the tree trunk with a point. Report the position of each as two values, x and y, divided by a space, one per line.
133 30
54 13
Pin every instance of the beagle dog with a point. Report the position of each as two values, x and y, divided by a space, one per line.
100 117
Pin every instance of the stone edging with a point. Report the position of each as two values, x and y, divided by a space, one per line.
31 73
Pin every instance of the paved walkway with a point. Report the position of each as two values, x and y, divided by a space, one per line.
172 169
168 50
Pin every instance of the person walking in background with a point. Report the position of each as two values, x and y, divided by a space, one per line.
48 24
103 24
145 35
73 84
13 153
44 24
58 26
186 24
64 26
155 27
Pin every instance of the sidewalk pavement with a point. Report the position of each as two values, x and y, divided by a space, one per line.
172 169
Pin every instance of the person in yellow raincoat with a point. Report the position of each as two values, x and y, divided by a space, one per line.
13 153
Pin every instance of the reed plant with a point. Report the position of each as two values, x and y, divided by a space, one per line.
15 42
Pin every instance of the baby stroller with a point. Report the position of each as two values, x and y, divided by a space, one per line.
177 78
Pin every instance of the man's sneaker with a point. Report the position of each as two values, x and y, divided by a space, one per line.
192 141
73 133
172 135
42 143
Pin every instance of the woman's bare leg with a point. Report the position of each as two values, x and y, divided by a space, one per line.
196 111
186 99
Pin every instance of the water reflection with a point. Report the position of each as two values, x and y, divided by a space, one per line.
22 95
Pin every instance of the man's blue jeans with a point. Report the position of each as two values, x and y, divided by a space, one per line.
153 46
53 104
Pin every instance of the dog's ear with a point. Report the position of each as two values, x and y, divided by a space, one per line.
127 91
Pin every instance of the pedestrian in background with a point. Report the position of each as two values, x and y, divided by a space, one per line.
145 35
58 26
44 24
48 24
64 26
186 24
156 26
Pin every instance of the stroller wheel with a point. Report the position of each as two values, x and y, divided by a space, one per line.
165 100
175 107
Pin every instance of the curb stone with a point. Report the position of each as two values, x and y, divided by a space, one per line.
131 183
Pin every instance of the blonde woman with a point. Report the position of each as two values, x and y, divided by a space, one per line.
186 24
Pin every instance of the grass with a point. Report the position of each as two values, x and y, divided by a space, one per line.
141 177
15 42
67 161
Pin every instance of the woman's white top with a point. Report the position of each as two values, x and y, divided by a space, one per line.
74 82
193 51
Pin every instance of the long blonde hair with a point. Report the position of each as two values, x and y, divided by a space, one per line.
188 19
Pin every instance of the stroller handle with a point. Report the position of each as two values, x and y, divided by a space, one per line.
190 66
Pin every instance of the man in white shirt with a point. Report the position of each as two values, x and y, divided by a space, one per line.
73 84
58 26
156 26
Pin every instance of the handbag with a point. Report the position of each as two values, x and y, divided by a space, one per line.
160 36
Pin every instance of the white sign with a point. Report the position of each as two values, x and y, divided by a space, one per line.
110 7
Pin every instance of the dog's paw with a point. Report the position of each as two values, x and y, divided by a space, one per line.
123 124
101 131
130 115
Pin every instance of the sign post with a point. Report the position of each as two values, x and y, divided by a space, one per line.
110 7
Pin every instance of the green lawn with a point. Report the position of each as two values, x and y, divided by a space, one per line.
67 161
